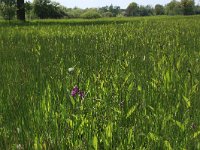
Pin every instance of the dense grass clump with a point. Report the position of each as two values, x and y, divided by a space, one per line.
118 84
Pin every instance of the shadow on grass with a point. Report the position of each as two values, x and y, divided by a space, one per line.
61 22
86 22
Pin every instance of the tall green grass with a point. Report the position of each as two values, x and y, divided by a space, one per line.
141 80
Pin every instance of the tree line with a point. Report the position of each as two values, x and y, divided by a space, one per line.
11 9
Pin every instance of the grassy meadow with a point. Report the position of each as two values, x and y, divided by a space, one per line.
140 80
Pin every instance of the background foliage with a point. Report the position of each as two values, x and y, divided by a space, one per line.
46 9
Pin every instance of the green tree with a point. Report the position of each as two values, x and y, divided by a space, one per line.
116 11
197 9
103 9
188 7
173 8
47 9
132 9
109 11
75 12
7 9
28 9
159 9
146 10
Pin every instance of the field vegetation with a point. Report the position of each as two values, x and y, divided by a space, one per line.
100 84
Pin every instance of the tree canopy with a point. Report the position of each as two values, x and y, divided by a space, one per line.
132 9
43 9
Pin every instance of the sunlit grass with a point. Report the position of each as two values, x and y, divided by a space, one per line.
140 79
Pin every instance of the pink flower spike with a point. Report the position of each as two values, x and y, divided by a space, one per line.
75 91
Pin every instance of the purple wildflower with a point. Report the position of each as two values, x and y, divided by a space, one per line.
75 91
81 94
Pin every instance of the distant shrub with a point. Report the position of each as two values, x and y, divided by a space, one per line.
120 16
75 13
90 15
107 14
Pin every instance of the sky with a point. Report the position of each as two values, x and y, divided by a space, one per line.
100 3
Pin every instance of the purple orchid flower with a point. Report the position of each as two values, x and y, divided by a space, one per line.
75 91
